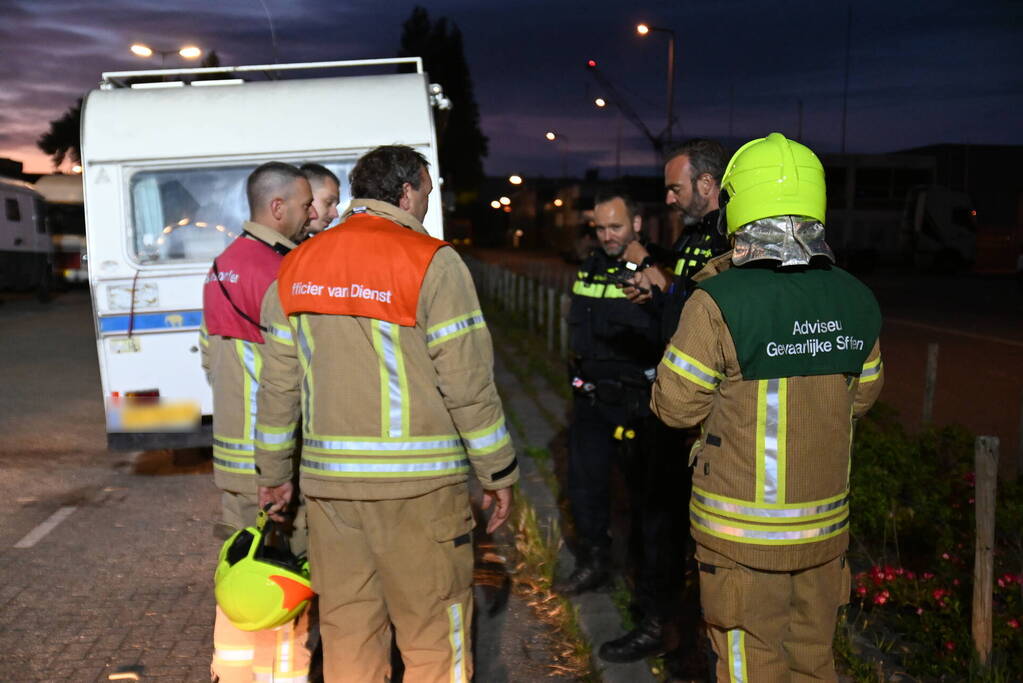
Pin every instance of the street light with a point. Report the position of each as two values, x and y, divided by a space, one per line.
515 179
186 52
551 135
560 139
495 204
600 102
643 30
504 201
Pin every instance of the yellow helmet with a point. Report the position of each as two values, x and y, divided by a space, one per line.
772 176
259 583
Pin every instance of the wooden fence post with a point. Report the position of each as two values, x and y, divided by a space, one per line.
550 320
566 303
930 380
985 484
1019 440
530 303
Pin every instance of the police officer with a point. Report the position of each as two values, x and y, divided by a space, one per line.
775 354
615 345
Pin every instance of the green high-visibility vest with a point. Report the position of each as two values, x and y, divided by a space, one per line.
790 323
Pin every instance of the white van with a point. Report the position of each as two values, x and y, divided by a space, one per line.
25 250
165 169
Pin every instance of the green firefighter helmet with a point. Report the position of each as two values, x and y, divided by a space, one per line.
259 583
772 176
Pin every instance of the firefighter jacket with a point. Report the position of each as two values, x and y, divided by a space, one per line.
775 365
608 333
378 343
232 348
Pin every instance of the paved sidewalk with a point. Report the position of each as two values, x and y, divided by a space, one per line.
531 426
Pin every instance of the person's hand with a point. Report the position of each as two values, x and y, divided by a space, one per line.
279 497
635 294
635 252
502 510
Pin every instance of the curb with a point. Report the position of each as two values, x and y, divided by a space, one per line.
599 619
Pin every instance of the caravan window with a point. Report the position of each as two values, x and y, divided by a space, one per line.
193 214
12 209
187 214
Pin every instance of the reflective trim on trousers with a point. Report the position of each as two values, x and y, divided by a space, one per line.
691 369
772 396
487 440
237 656
737 656
450 466
762 534
457 640
394 412
281 333
747 510
455 327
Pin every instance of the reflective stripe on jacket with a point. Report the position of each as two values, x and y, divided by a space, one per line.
771 476
234 366
388 410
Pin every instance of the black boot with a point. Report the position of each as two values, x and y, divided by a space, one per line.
591 572
646 640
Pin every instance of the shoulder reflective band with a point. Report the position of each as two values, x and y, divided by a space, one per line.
691 369
456 327
871 370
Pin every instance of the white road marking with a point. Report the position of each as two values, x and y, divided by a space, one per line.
960 333
37 534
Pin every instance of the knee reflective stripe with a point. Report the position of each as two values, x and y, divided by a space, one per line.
871 370
772 395
737 656
487 440
691 369
456 327
457 639
233 655
393 382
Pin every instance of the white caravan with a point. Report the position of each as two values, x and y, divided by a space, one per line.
165 169
25 251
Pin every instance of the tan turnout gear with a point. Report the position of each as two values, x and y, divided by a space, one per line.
769 509
393 419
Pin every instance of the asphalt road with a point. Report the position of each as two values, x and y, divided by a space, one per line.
107 559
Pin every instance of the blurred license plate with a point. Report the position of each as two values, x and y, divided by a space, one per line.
129 416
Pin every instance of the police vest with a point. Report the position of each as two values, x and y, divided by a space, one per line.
789 323
368 266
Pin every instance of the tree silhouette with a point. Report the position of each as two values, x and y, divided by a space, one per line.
462 143
64 138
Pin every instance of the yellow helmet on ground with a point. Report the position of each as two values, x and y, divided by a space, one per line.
772 176
259 583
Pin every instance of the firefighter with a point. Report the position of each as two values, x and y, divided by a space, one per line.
232 338
384 354
326 193
775 355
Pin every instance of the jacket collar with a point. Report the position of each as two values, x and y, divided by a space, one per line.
375 207
267 235
714 266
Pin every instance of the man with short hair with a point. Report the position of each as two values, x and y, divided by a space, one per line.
387 361
232 338
326 194
613 344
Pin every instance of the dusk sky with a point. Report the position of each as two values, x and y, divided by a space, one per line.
921 72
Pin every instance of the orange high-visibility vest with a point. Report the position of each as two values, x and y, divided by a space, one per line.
368 266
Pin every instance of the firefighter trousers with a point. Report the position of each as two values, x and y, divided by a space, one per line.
771 626
406 562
